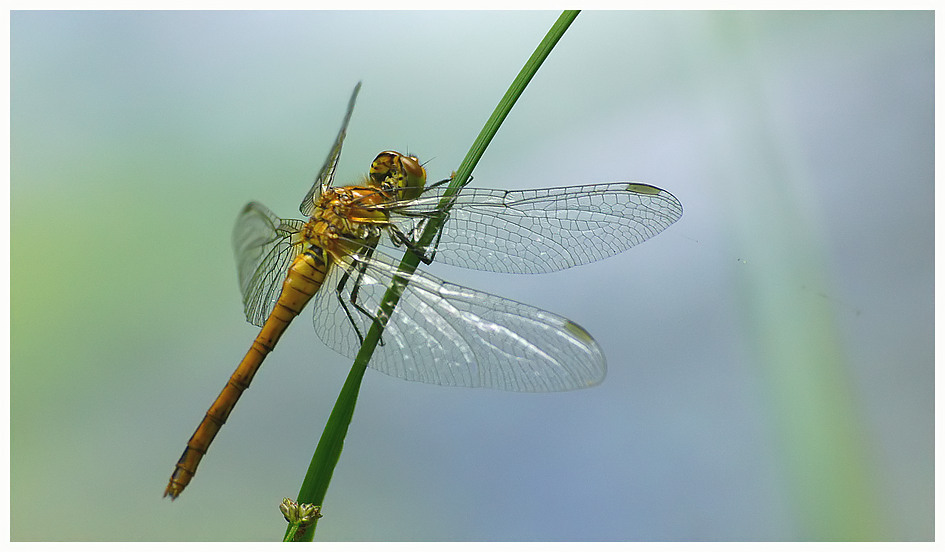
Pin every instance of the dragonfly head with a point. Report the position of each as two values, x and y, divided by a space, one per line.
400 173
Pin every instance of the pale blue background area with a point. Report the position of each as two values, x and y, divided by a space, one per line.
794 298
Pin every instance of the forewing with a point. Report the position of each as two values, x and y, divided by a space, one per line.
543 230
327 173
263 244
450 335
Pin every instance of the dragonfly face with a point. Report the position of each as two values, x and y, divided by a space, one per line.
440 332
403 173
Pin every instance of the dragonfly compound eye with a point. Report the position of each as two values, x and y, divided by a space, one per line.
416 177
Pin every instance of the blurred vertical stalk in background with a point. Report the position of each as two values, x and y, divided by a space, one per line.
819 432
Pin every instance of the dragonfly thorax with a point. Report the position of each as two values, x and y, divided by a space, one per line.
348 217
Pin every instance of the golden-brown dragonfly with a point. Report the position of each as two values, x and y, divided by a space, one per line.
439 332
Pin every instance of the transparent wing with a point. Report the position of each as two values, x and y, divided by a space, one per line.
543 230
327 173
447 334
264 248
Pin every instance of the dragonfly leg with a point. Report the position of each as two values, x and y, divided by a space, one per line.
398 238
439 234
341 286
353 299
411 244
446 180
435 184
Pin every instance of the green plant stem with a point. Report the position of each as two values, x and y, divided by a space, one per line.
320 470
291 532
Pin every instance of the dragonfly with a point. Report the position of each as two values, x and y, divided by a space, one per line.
439 332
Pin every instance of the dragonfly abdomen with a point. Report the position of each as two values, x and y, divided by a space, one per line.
305 277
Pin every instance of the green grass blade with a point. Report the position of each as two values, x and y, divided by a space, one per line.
320 470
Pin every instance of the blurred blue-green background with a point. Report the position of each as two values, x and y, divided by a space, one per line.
770 356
